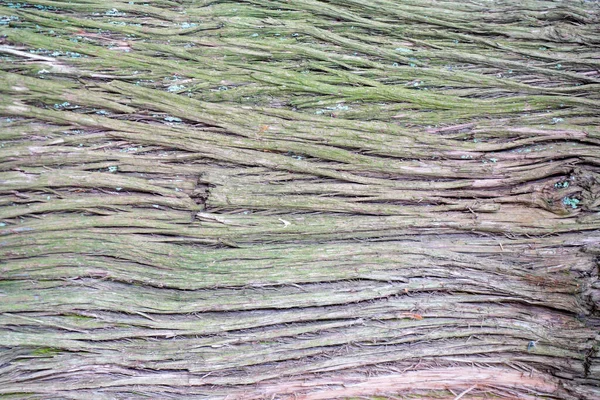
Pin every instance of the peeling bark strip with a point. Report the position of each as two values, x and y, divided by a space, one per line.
299 199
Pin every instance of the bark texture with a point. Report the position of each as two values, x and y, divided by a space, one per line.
299 199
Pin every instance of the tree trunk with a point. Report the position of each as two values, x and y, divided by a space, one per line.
300 199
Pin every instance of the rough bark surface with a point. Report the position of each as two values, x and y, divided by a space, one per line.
299 199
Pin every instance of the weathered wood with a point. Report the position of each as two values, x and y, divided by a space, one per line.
309 199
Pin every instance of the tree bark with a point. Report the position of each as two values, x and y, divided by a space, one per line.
299 199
